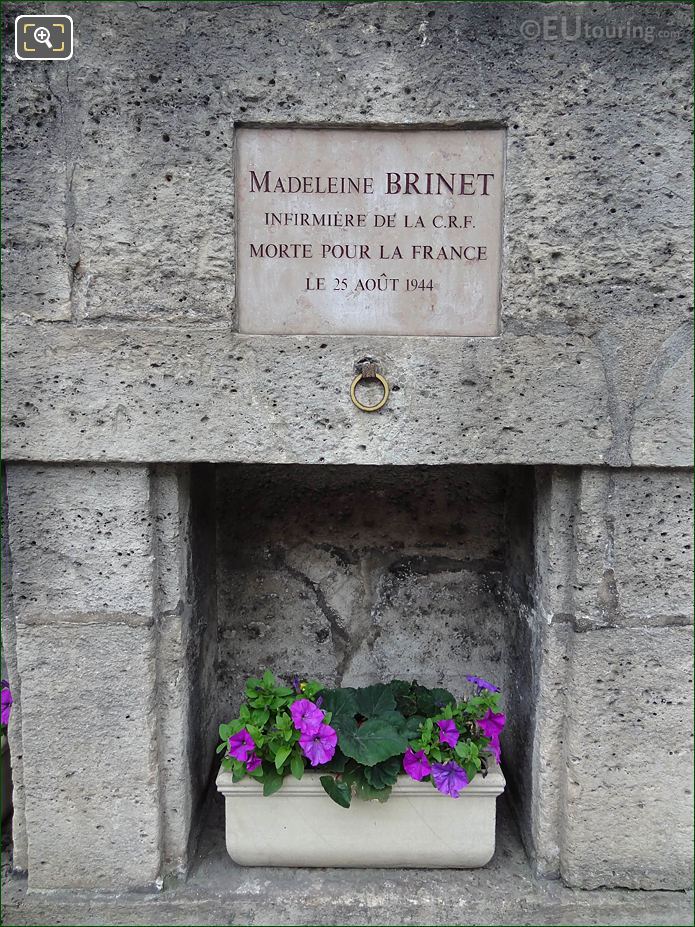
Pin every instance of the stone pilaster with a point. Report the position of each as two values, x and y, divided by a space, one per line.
101 610
613 727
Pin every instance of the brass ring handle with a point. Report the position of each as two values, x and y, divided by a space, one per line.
360 405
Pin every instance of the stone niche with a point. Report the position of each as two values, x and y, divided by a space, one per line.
363 573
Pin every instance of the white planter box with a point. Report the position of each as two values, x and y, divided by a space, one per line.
417 827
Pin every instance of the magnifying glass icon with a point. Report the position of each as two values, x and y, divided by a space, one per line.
43 35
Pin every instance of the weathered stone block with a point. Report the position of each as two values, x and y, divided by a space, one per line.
103 605
81 539
615 546
634 546
36 210
627 801
89 731
612 678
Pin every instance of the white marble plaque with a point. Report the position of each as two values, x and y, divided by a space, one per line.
366 231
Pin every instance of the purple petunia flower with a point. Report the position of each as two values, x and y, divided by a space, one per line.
491 724
482 683
306 717
241 745
449 778
495 749
295 683
416 764
319 746
448 733
6 703
253 762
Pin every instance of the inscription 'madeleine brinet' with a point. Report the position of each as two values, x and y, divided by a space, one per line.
366 231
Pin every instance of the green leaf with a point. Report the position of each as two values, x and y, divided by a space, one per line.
238 775
366 792
268 679
412 726
355 779
372 742
383 774
406 701
394 718
338 791
272 781
311 689
424 700
297 766
468 752
343 707
281 756
443 697
222 747
375 700
399 687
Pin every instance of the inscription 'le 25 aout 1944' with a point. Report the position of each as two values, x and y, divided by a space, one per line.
411 251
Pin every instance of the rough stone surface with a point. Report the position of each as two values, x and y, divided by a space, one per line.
90 753
163 395
628 759
358 574
14 729
633 538
81 539
83 604
615 547
103 604
612 689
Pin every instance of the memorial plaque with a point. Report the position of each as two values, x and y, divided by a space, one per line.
366 231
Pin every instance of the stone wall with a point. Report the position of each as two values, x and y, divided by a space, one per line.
119 215
366 573
613 742
124 380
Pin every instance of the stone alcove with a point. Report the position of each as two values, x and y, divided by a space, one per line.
147 593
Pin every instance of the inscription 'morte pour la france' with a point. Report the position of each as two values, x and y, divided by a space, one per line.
361 231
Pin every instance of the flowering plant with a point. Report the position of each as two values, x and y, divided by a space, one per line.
6 703
361 740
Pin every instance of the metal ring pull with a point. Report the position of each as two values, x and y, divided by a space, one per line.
368 371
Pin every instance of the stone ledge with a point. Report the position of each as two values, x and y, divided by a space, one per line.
79 393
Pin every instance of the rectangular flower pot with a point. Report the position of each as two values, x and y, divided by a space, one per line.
417 827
